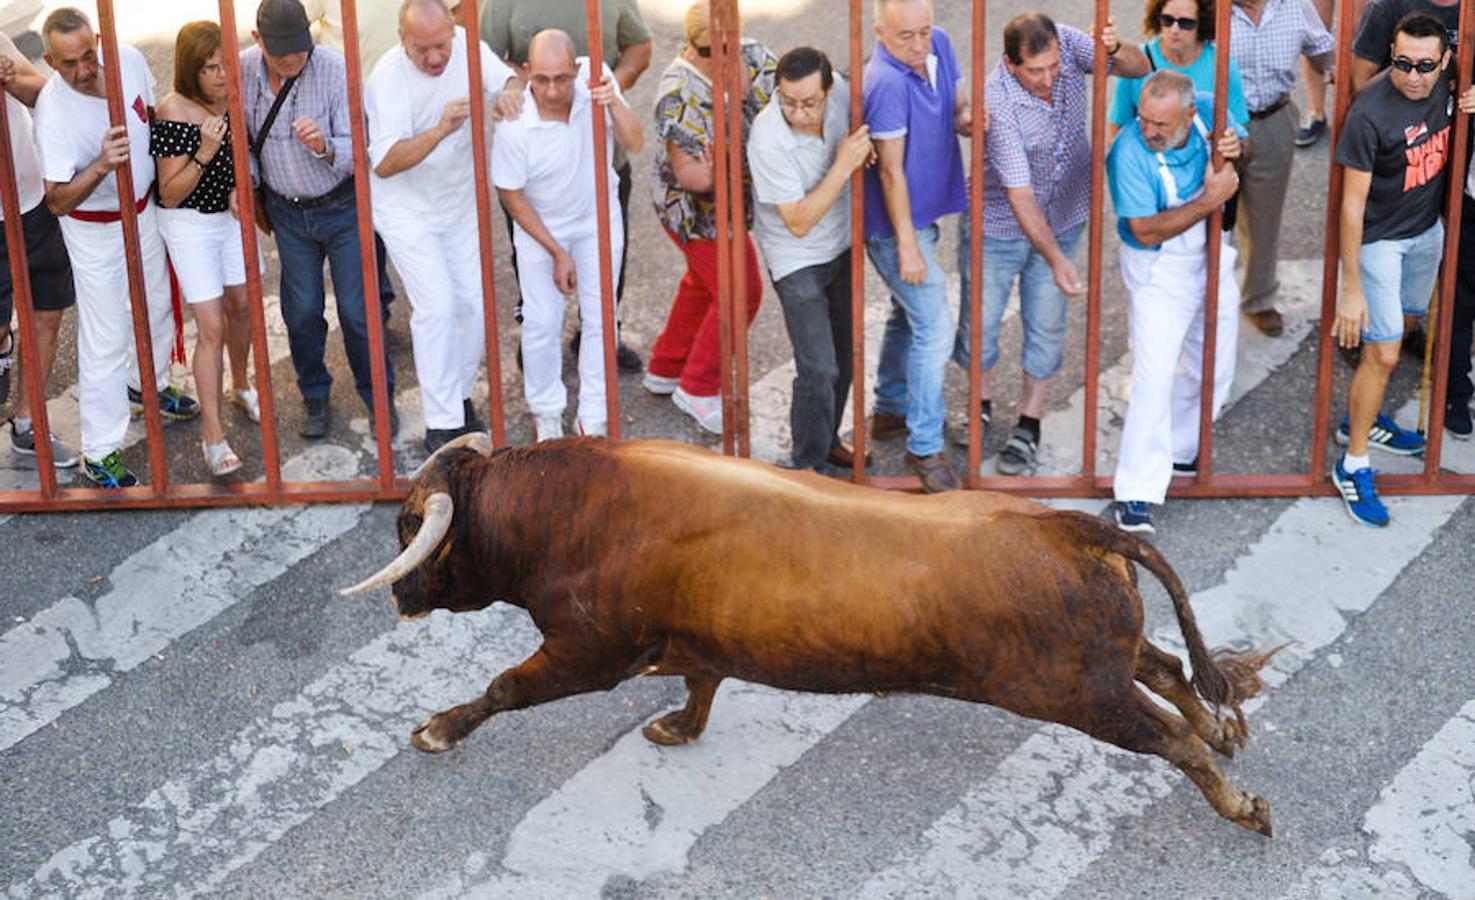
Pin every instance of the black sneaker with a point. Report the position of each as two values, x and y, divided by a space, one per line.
317 417
435 438
1414 340
1019 455
173 405
1311 132
626 359
470 420
1457 421
1188 468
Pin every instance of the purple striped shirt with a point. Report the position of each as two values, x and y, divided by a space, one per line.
321 94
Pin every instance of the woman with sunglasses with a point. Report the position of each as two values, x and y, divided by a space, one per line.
1183 32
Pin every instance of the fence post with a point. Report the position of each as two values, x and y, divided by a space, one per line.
602 218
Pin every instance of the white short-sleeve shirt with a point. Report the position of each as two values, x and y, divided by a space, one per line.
552 162
23 152
785 167
400 101
70 126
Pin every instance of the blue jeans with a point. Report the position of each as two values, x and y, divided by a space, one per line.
1042 305
1397 278
916 344
306 237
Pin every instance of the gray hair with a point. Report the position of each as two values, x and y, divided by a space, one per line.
65 20
880 7
1166 82
408 5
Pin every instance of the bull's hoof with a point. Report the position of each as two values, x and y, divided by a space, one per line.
424 739
1227 741
1259 818
670 731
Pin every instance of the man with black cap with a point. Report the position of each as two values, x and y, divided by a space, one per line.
296 100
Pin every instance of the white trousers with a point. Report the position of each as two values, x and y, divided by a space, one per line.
105 344
441 268
542 322
1165 292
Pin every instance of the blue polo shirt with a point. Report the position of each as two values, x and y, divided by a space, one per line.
899 102
1137 189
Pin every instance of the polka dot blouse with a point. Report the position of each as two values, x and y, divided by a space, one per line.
212 192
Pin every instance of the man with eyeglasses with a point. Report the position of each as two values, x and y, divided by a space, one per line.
1165 186
417 105
801 155
1036 198
1395 149
543 166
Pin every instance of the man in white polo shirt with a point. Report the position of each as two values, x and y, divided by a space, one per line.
79 153
417 105
543 166
801 159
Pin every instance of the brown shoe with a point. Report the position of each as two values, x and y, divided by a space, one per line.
885 426
936 474
1269 321
842 454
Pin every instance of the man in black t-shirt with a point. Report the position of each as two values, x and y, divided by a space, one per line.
1395 147
1371 48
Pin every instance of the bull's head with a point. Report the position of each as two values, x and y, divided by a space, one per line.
423 524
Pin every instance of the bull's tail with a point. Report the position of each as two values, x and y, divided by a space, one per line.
1224 677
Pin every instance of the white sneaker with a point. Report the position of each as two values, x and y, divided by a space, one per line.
706 410
546 428
659 384
594 429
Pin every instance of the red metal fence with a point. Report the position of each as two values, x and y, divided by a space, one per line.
730 88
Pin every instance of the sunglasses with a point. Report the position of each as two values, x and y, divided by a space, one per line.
1425 66
1187 23
703 52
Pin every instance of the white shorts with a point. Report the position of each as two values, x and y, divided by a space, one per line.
205 251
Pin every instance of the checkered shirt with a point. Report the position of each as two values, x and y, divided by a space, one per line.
321 93
1267 53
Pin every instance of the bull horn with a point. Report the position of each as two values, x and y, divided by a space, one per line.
477 440
439 509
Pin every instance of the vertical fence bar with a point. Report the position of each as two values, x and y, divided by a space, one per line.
496 414
1439 331
383 403
1342 98
137 291
1215 247
721 160
1095 247
975 252
606 252
737 82
230 52
20 281
857 255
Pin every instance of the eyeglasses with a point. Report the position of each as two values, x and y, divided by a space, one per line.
1425 66
810 105
559 81
1187 23
703 52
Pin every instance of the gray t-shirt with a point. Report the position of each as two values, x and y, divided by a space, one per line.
785 167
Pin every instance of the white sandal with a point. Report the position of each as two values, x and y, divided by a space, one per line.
247 400
220 459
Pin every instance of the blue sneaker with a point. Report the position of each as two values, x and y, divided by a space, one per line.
1360 496
109 472
1387 436
1134 515
173 405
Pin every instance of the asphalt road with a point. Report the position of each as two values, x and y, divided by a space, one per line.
187 707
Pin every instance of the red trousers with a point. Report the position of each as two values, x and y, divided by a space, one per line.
689 344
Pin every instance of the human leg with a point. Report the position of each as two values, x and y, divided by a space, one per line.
302 296
1262 195
806 307
593 411
337 224
542 325
701 376
420 259
696 292
104 329
1188 380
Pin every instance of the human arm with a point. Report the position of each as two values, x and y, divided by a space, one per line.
63 197
693 173
20 79
801 215
1037 229
633 60
624 123
410 152
179 174
633 39
331 144
890 157
1127 60
527 218
1351 316
1219 186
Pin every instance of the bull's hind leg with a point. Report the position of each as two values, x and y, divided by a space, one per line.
1162 672
538 679
1134 722
685 725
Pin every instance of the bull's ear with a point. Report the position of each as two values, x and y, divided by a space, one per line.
476 440
438 511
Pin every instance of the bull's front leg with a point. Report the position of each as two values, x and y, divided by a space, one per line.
538 679
685 725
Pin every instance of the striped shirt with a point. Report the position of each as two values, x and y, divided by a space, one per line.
1039 145
321 94
1267 52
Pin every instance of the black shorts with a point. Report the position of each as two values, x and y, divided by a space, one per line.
46 257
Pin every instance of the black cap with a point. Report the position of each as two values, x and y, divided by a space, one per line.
282 25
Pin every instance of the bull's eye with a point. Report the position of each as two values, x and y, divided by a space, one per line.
409 526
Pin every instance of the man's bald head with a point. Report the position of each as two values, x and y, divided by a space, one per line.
552 69
557 45
426 30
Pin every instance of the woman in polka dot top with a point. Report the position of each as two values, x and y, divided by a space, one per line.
191 139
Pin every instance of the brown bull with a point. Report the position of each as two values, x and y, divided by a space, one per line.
659 558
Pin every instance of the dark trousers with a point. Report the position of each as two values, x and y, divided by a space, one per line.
816 304
1461 391
626 185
